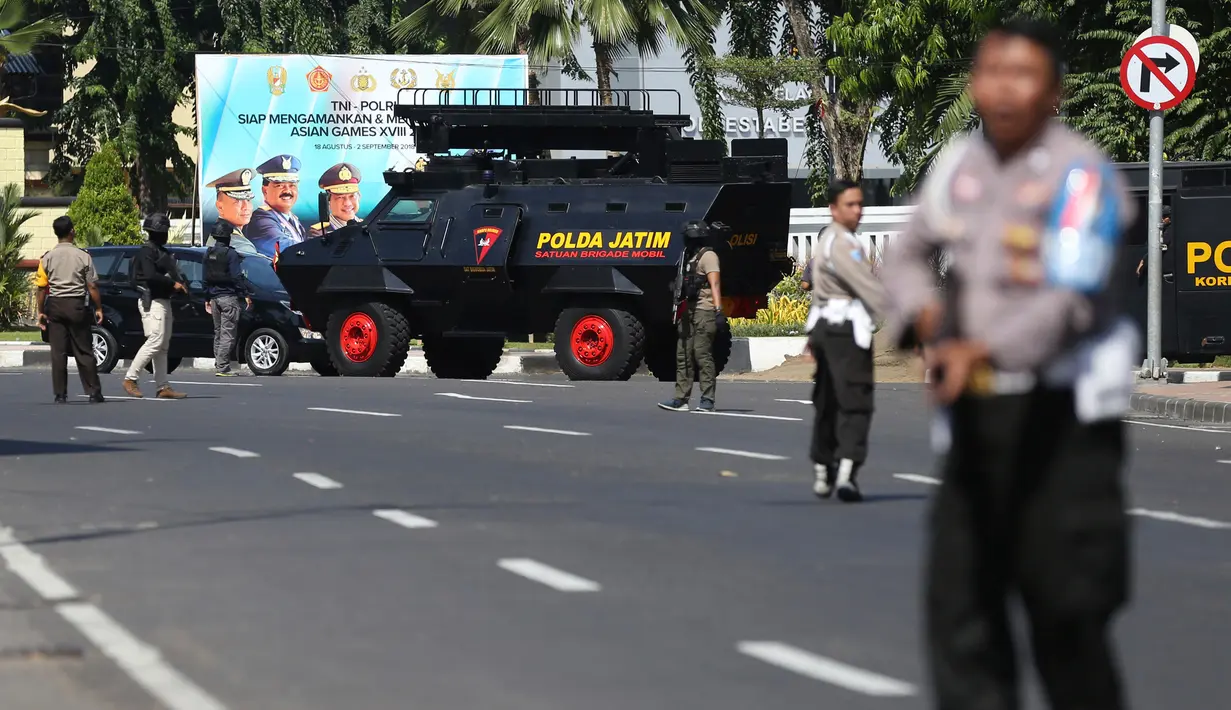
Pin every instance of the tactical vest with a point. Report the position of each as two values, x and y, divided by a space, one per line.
693 281
217 268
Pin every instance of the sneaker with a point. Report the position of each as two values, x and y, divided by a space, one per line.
822 487
61 399
130 386
97 398
224 373
168 393
848 492
707 405
674 405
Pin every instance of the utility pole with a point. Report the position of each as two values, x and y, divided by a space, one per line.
1154 366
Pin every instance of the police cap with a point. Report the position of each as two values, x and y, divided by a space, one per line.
341 179
157 222
237 184
280 168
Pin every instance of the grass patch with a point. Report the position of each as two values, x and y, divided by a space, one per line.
21 335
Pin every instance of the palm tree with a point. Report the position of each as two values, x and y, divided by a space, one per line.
19 38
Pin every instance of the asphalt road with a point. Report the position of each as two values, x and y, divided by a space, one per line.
304 542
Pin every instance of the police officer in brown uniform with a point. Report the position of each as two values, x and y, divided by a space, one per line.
342 183
1030 355
65 275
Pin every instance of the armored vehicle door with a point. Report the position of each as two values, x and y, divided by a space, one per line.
401 233
482 248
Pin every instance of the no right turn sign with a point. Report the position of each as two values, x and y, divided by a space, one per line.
1158 73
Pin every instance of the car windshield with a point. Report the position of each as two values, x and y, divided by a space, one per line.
261 273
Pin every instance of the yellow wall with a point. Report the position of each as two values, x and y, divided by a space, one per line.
39 228
13 156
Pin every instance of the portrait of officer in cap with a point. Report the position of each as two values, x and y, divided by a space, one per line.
275 222
342 183
234 204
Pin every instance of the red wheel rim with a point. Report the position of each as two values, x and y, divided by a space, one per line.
358 337
592 341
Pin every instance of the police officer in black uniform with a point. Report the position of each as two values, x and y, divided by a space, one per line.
1030 353
225 284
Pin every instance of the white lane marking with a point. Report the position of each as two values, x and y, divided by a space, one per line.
32 568
523 384
142 663
1176 426
545 574
455 395
239 453
214 384
826 670
916 478
562 432
1182 519
745 454
353 411
1224 461
795 401
106 430
316 479
121 396
406 520
749 416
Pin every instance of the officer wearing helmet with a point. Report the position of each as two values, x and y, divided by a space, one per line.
156 277
698 318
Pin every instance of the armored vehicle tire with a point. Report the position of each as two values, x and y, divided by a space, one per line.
462 358
323 365
368 340
599 343
267 353
660 354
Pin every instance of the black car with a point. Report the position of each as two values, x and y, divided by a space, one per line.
271 335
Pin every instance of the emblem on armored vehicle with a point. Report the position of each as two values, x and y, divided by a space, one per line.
484 238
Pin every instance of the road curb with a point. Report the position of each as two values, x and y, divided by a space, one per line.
1182 408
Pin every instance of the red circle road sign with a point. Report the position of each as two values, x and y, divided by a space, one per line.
1157 81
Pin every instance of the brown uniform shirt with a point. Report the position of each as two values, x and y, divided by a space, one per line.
988 216
706 265
65 271
846 273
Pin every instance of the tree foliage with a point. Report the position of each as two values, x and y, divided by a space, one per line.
105 209
14 281
755 82
22 35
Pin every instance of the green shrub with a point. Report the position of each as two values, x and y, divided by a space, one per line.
105 211
747 328
15 283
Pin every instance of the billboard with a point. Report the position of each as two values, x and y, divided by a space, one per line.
273 131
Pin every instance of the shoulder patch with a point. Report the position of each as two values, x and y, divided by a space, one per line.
857 254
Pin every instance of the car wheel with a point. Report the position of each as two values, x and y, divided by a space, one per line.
106 349
267 353
599 343
368 340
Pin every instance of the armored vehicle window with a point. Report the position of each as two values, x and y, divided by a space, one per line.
557 207
617 206
676 206
493 212
410 211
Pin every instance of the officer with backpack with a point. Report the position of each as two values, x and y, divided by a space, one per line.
226 284
698 318
156 277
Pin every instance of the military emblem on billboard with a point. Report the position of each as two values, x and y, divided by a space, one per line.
403 78
277 80
318 79
446 81
484 238
363 81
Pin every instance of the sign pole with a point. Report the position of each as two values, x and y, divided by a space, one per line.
1154 368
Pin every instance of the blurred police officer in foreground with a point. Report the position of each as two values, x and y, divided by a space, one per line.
234 205
275 223
1030 358
65 276
342 183
156 277
225 284
699 317
845 297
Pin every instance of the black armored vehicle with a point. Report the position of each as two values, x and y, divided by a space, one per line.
507 240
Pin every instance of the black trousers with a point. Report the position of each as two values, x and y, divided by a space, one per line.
1030 506
841 394
68 331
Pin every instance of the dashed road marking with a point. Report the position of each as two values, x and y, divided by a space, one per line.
545 574
748 416
353 411
107 430
561 432
238 453
455 395
32 568
795 401
316 479
406 520
826 670
523 384
916 478
745 454
1182 519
